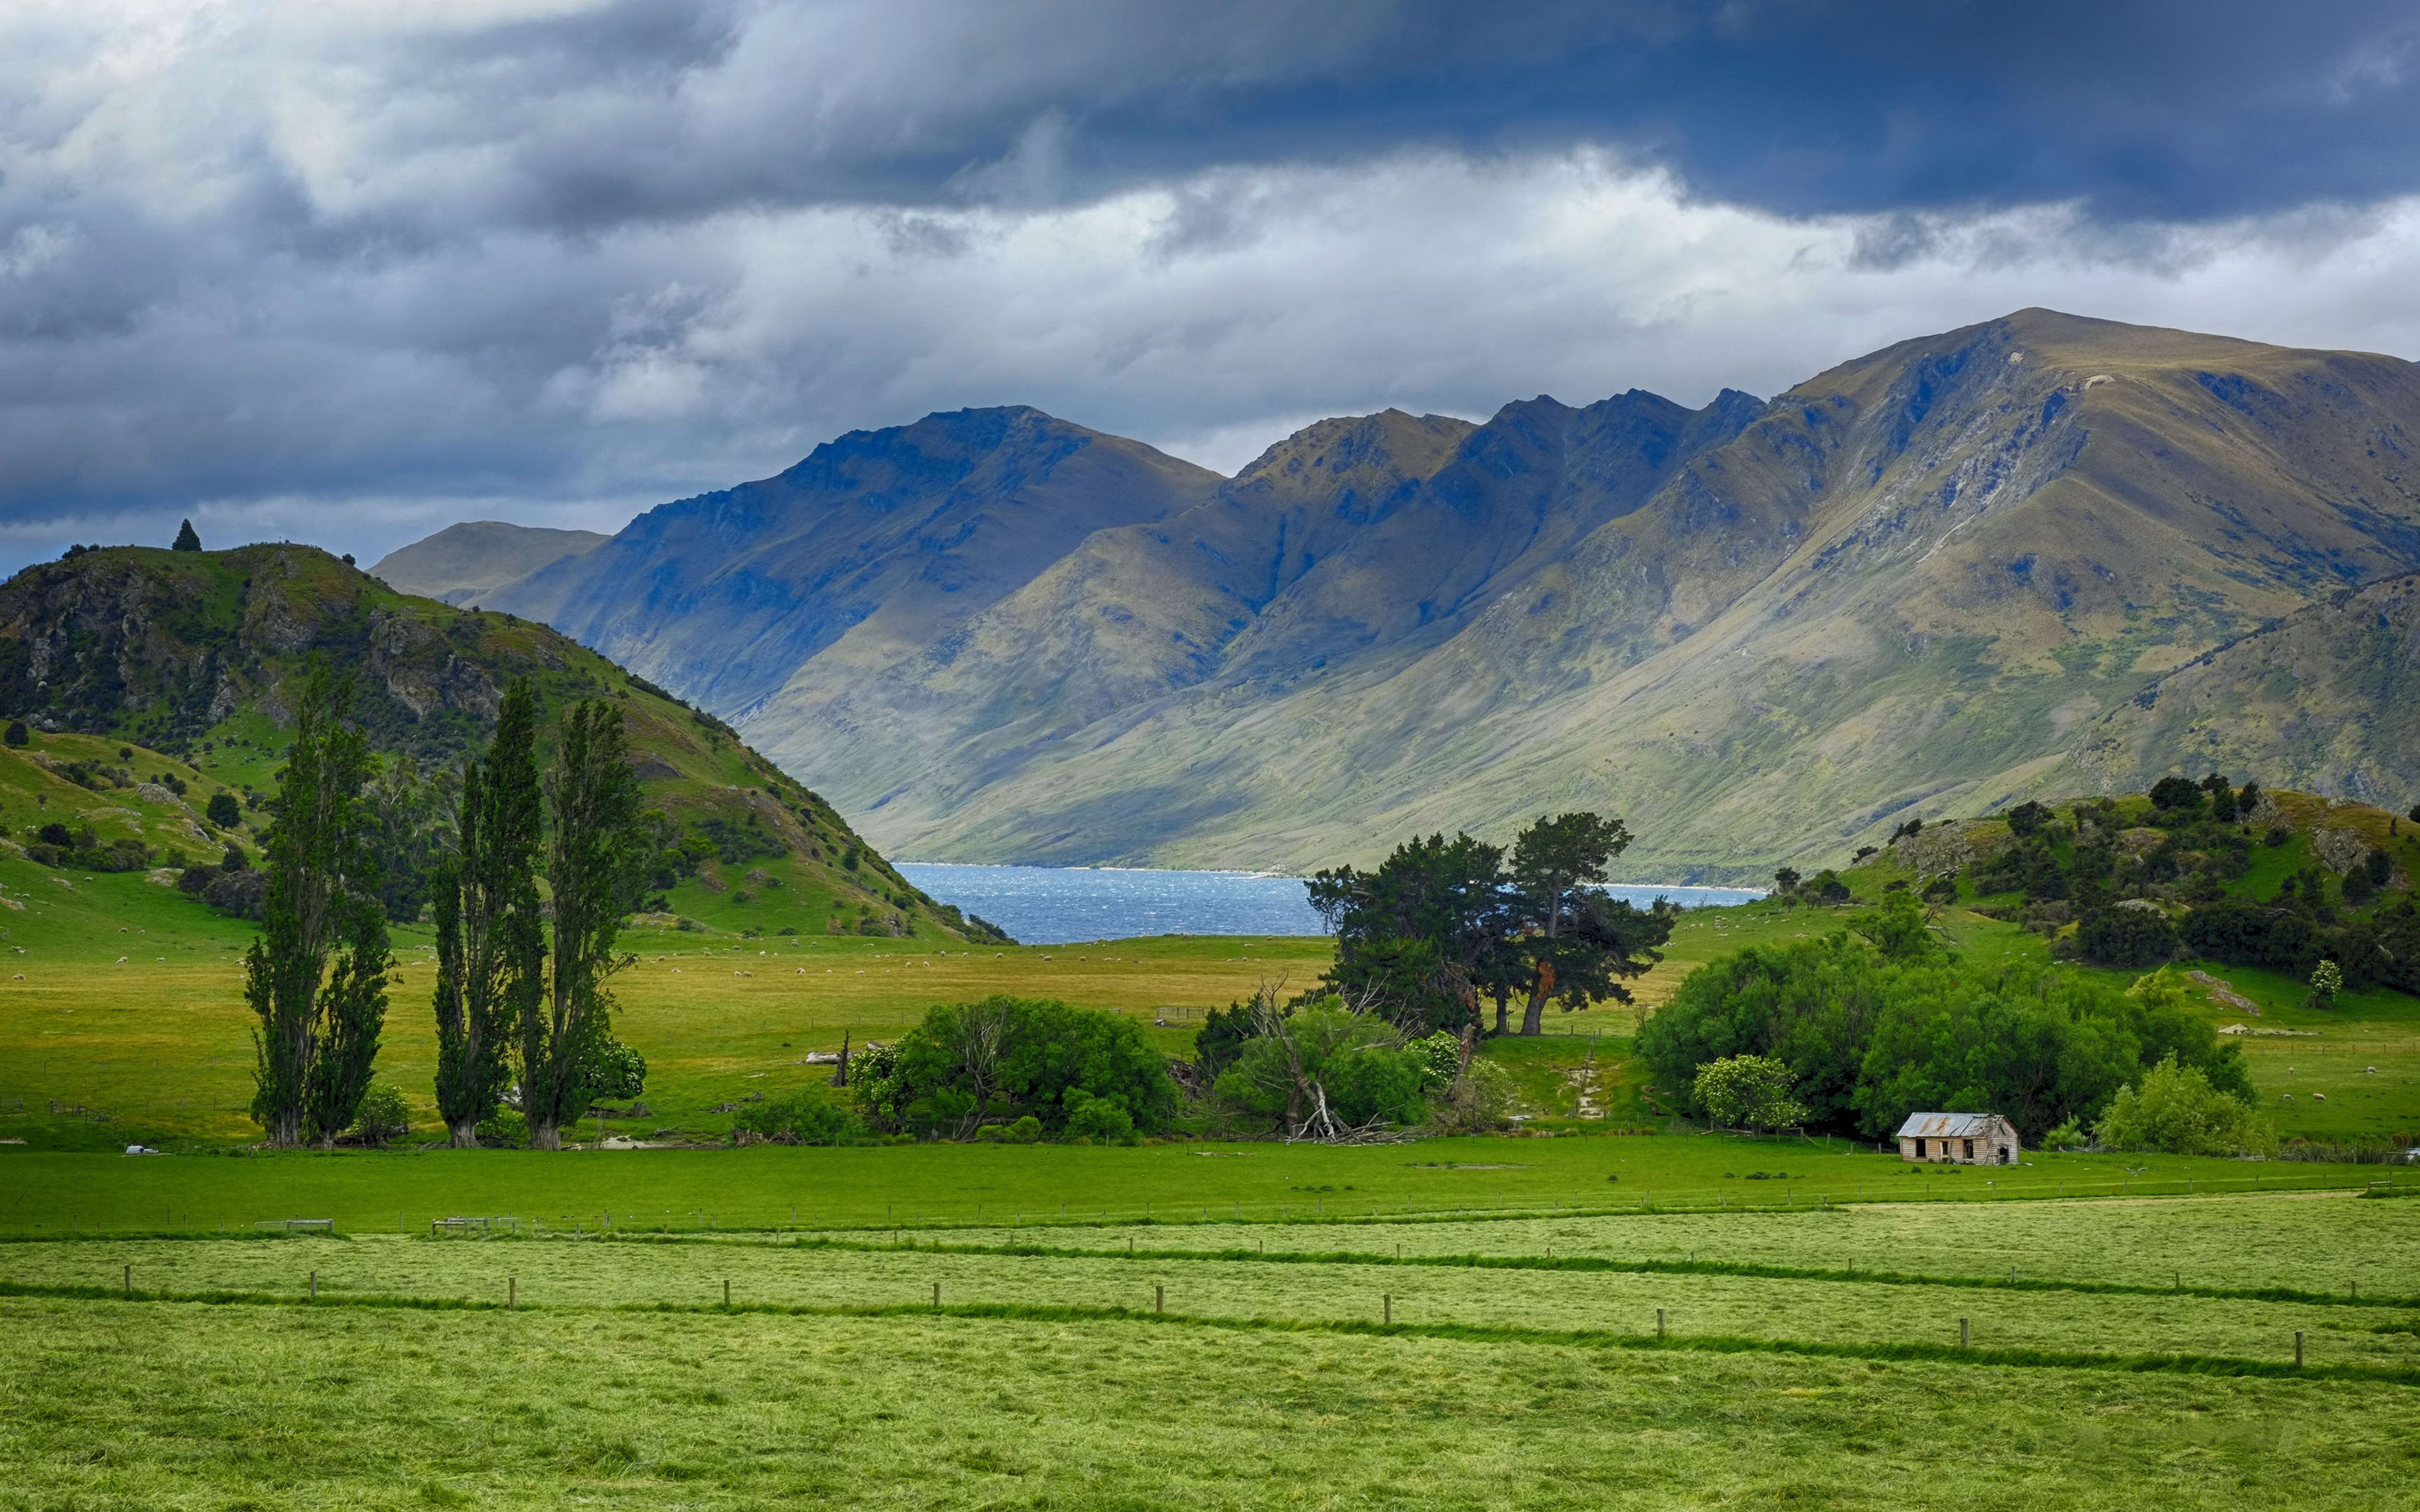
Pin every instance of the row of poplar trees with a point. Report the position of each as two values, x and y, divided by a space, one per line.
513 1005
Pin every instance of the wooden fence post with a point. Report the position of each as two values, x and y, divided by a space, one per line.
937 1293
315 1286
726 1292
1159 1299
512 1293
1659 1323
1966 1338
2298 1348
1386 1300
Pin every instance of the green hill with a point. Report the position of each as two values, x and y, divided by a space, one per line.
142 670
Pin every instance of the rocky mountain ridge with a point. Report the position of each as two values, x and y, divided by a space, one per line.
1761 631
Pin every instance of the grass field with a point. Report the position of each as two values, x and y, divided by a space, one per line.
1501 1364
1444 1323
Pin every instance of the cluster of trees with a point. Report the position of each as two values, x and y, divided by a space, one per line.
522 981
1315 1068
1441 925
1077 1074
2074 869
1879 1020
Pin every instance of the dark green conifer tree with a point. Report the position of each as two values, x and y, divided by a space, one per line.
186 539
490 930
315 975
595 864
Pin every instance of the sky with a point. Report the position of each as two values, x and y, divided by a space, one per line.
348 273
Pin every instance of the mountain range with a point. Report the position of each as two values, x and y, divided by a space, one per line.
2039 555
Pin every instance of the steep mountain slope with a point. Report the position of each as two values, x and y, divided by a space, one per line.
2326 699
865 552
1761 632
192 653
1344 551
461 563
1906 586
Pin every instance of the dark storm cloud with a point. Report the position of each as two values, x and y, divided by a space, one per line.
2161 110
320 268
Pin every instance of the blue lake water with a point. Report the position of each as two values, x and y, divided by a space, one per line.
1061 905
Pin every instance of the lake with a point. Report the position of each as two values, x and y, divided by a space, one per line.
1061 905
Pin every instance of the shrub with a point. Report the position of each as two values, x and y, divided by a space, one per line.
798 1118
1098 1119
1751 1091
222 810
2067 1135
508 1130
1442 1053
18 734
2027 819
384 1115
1479 1099
58 835
615 1071
2327 979
968 1063
1357 1062
2177 1111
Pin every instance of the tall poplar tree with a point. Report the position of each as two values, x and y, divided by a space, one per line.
596 863
491 927
315 975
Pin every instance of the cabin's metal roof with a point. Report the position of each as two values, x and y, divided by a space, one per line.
1946 1125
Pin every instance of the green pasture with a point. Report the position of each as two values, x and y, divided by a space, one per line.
565 1273
112 1404
952 1185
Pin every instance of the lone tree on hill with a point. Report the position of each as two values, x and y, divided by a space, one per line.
186 539
315 975
491 932
595 864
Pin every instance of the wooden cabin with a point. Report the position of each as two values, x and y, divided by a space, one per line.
1960 1139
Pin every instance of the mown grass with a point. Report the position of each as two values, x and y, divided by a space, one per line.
565 1273
167 1405
1427 1181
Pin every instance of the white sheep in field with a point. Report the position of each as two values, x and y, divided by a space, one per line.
2319 1097
121 961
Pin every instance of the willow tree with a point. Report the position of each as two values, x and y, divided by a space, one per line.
490 926
315 975
596 862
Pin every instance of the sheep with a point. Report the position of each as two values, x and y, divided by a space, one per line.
2319 1097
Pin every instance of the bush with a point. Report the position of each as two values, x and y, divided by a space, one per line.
798 1118
384 1115
2067 1135
1443 1055
1357 1061
508 1130
968 1063
1098 1119
2177 1111
222 810
241 894
1751 1091
1479 1099
56 834
18 734
614 1070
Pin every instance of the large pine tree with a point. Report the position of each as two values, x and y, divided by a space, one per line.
595 865
315 975
491 932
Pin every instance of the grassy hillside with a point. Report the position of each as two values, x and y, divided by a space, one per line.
181 659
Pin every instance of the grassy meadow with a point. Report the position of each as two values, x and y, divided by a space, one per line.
1466 1322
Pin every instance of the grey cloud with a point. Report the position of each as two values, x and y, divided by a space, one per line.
317 269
